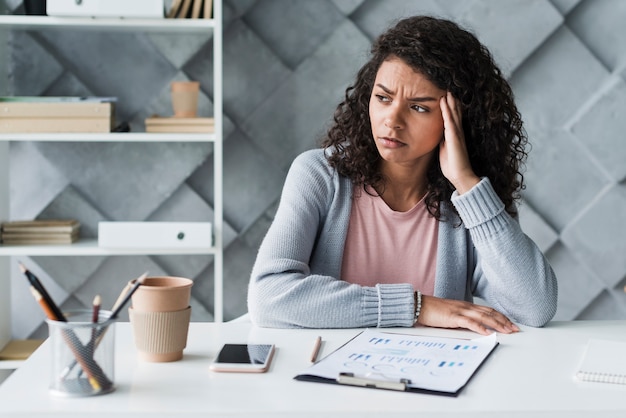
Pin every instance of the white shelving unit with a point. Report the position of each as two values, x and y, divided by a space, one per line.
90 247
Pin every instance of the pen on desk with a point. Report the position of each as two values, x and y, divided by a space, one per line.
316 349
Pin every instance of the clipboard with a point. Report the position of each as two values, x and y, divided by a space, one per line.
403 362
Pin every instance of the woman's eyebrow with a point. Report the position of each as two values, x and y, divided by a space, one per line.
411 99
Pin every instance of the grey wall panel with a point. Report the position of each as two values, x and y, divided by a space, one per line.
286 65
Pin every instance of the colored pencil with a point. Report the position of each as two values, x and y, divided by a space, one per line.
138 282
95 315
122 299
95 376
96 309
42 303
34 282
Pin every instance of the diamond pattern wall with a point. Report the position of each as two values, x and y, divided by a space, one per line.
286 65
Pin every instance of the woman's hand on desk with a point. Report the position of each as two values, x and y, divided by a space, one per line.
448 313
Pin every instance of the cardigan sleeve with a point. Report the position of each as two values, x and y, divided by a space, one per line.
294 281
511 273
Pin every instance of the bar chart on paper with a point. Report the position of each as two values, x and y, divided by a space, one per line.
430 363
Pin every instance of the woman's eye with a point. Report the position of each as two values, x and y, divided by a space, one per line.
382 98
419 109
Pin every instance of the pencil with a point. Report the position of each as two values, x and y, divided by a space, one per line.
42 303
94 341
95 315
96 309
88 364
127 296
120 298
316 349
34 282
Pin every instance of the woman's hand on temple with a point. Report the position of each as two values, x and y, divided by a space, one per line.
453 157
449 313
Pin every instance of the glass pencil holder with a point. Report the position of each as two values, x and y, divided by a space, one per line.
83 354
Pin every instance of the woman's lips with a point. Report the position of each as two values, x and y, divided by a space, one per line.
390 142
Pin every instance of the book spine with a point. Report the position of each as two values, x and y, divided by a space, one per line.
180 129
38 241
208 9
184 10
180 121
35 230
174 9
197 8
55 125
10 110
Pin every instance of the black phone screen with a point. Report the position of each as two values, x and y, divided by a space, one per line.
244 353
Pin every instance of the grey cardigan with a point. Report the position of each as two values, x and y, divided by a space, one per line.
295 281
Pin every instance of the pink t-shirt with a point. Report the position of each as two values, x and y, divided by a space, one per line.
385 246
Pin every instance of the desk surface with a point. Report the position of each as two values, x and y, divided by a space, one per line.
529 374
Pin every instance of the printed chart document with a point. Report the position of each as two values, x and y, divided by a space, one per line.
414 363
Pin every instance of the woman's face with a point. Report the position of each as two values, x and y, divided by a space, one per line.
406 119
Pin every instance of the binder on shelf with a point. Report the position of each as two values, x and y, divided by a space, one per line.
403 362
106 8
155 234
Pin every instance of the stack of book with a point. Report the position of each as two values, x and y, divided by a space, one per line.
179 125
191 9
25 114
38 232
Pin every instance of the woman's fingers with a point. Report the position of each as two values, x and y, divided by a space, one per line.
453 110
453 157
448 313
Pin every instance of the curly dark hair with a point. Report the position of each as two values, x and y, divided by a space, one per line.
454 60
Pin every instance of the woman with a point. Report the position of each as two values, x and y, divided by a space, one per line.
408 211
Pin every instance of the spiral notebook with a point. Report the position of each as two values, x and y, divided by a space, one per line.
604 361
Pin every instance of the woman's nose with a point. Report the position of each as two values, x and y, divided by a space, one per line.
392 122
393 118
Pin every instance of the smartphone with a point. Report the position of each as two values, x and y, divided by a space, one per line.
243 358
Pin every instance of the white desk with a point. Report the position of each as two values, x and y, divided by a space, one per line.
529 374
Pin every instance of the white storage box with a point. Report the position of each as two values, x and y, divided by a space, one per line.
155 234
106 8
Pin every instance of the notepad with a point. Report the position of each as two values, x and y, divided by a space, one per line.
604 362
